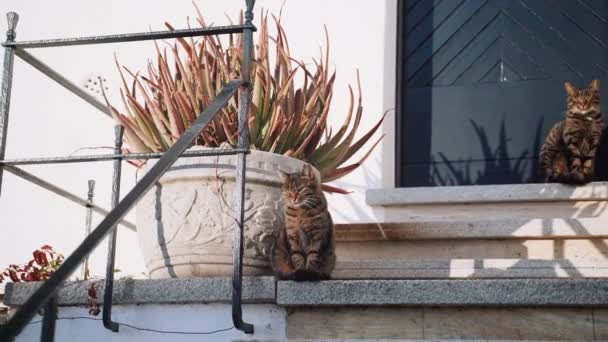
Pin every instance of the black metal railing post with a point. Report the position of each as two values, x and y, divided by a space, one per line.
243 143
7 83
88 225
49 320
109 287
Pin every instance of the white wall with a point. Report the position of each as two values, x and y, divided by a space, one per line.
269 323
46 120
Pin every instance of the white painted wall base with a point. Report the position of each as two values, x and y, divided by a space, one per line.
269 321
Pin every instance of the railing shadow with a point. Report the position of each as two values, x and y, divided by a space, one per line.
160 230
561 262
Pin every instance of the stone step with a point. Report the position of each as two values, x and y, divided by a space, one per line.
529 229
431 292
484 194
572 249
152 291
447 324
498 202
391 340
471 269
396 340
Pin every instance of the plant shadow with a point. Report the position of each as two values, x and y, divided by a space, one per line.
498 166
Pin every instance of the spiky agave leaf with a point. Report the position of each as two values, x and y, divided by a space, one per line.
286 116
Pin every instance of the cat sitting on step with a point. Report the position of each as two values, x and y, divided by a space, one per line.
305 248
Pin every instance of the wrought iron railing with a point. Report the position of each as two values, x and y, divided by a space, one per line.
45 295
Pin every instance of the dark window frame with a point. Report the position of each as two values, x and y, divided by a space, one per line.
399 87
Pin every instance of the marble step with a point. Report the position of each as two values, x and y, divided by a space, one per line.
529 229
471 269
391 340
497 202
394 340
375 323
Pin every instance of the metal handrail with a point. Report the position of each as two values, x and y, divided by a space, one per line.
116 156
64 82
70 264
61 192
44 294
130 37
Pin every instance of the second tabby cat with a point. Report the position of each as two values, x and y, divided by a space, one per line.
305 248
568 154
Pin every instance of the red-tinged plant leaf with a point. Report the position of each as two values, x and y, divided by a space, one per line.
286 116
45 261
92 291
333 141
38 257
359 143
13 276
181 40
343 171
315 135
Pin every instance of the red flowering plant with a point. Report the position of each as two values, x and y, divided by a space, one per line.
45 262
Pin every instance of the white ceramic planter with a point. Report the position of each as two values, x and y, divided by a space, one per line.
186 222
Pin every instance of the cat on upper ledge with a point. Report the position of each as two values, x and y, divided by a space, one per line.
569 151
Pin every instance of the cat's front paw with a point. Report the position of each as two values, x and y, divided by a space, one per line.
308 275
553 177
298 261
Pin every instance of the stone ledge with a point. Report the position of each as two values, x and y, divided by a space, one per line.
483 293
401 340
471 269
154 291
487 194
556 228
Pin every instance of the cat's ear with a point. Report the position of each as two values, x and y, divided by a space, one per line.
284 176
595 85
570 89
308 172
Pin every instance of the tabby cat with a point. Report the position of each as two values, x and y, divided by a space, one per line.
305 248
568 154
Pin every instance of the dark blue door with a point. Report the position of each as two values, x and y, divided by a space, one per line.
481 83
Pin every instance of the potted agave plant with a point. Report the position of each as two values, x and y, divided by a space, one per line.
185 224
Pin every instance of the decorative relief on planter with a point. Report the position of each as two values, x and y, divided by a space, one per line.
186 223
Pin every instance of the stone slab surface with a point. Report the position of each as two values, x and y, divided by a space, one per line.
571 249
487 194
442 324
600 319
154 291
502 292
587 227
530 324
468 212
471 269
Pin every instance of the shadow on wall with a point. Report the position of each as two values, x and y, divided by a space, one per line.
562 264
499 167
